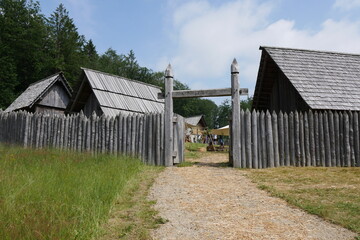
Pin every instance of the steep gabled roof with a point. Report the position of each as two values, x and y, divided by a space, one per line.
325 80
36 90
116 94
195 120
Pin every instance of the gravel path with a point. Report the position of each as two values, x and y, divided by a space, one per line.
210 202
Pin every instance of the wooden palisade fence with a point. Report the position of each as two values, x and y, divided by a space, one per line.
267 139
136 135
300 139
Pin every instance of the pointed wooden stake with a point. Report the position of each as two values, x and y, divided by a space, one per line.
169 79
235 104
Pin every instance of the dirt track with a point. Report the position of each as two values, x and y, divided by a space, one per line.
207 201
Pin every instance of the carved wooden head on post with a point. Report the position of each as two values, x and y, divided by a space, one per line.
234 67
169 72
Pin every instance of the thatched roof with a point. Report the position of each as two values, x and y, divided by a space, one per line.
37 90
324 80
116 94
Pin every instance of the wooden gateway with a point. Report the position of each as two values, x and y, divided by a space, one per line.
50 95
235 91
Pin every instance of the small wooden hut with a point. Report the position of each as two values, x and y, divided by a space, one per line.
50 95
109 94
195 127
296 79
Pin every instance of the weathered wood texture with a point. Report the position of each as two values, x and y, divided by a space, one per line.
299 139
137 135
267 139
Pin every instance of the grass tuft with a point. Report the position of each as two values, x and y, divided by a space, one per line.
194 147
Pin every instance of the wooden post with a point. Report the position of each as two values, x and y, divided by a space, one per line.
332 138
169 79
352 151
287 140
302 139
247 149
307 140
337 139
312 138
235 104
281 138
297 139
133 135
356 139
322 140
347 151
254 135
327 140
158 137
276 138
263 141
258 139
162 143
292 139
243 139
269 141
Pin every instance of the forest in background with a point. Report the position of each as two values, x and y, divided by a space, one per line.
33 46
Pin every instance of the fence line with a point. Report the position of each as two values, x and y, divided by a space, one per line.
136 135
300 139
267 139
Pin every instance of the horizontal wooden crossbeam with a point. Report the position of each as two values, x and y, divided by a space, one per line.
220 92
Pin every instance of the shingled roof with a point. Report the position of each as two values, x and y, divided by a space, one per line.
325 80
196 120
36 90
117 94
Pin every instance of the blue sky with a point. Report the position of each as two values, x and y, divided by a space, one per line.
201 37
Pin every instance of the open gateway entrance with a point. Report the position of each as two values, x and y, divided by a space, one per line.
175 124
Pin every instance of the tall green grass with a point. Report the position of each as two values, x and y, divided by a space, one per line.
194 147
51 194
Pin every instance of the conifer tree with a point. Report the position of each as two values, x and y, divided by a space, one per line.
67 44
23 45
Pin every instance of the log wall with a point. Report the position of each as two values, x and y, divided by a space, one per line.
136 135
328 139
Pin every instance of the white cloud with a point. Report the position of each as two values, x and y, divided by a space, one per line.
210 37
346 4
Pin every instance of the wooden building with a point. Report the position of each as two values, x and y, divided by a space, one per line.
49 95
109 94
195 127
296 79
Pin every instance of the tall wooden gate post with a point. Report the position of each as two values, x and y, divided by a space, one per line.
169 79
235 105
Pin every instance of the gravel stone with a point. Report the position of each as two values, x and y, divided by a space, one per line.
210 202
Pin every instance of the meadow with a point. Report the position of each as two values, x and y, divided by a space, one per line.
331 193
53 194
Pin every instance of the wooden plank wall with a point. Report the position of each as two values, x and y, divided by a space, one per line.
136 135
325 139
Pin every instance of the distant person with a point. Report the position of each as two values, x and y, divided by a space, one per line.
221 141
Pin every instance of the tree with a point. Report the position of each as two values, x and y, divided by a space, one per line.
23 46
90 55
223 114
66 44
246 104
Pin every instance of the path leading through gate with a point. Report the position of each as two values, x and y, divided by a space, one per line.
209 202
